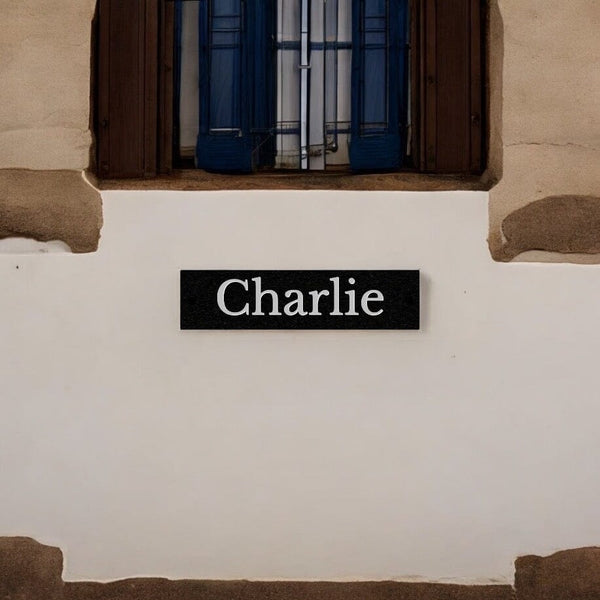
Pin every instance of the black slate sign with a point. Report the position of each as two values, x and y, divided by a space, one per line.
300 300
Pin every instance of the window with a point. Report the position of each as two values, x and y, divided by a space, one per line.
300 84
308 85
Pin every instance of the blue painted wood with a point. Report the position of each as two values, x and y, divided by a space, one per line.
237 85
379 84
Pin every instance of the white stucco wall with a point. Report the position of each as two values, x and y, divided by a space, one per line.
141 449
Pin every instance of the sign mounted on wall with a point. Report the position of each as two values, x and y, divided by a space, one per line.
300 299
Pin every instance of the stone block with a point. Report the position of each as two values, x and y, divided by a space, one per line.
29 570
567 575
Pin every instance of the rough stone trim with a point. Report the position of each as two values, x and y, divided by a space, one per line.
50 205
29 570
567 575
564 224
162 589
32 571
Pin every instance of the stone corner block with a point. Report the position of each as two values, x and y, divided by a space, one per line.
50 205
29 570
566 575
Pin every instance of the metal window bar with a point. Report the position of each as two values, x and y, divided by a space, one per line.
309 62
304 67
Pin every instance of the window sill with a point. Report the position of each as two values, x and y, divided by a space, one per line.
197 180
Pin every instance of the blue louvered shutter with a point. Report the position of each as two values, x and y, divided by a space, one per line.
236 85
379 84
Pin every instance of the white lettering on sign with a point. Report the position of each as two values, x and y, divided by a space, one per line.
221 298
263 299
367 297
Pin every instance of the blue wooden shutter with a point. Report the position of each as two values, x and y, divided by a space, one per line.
236 83
379 84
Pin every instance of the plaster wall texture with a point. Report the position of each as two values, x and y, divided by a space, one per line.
549 131
444 453
45 50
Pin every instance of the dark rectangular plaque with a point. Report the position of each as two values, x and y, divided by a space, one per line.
300 300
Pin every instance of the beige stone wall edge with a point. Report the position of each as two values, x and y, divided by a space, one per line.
45 136
545 130
31 571
51 205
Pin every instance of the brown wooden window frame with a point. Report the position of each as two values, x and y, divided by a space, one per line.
133 108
